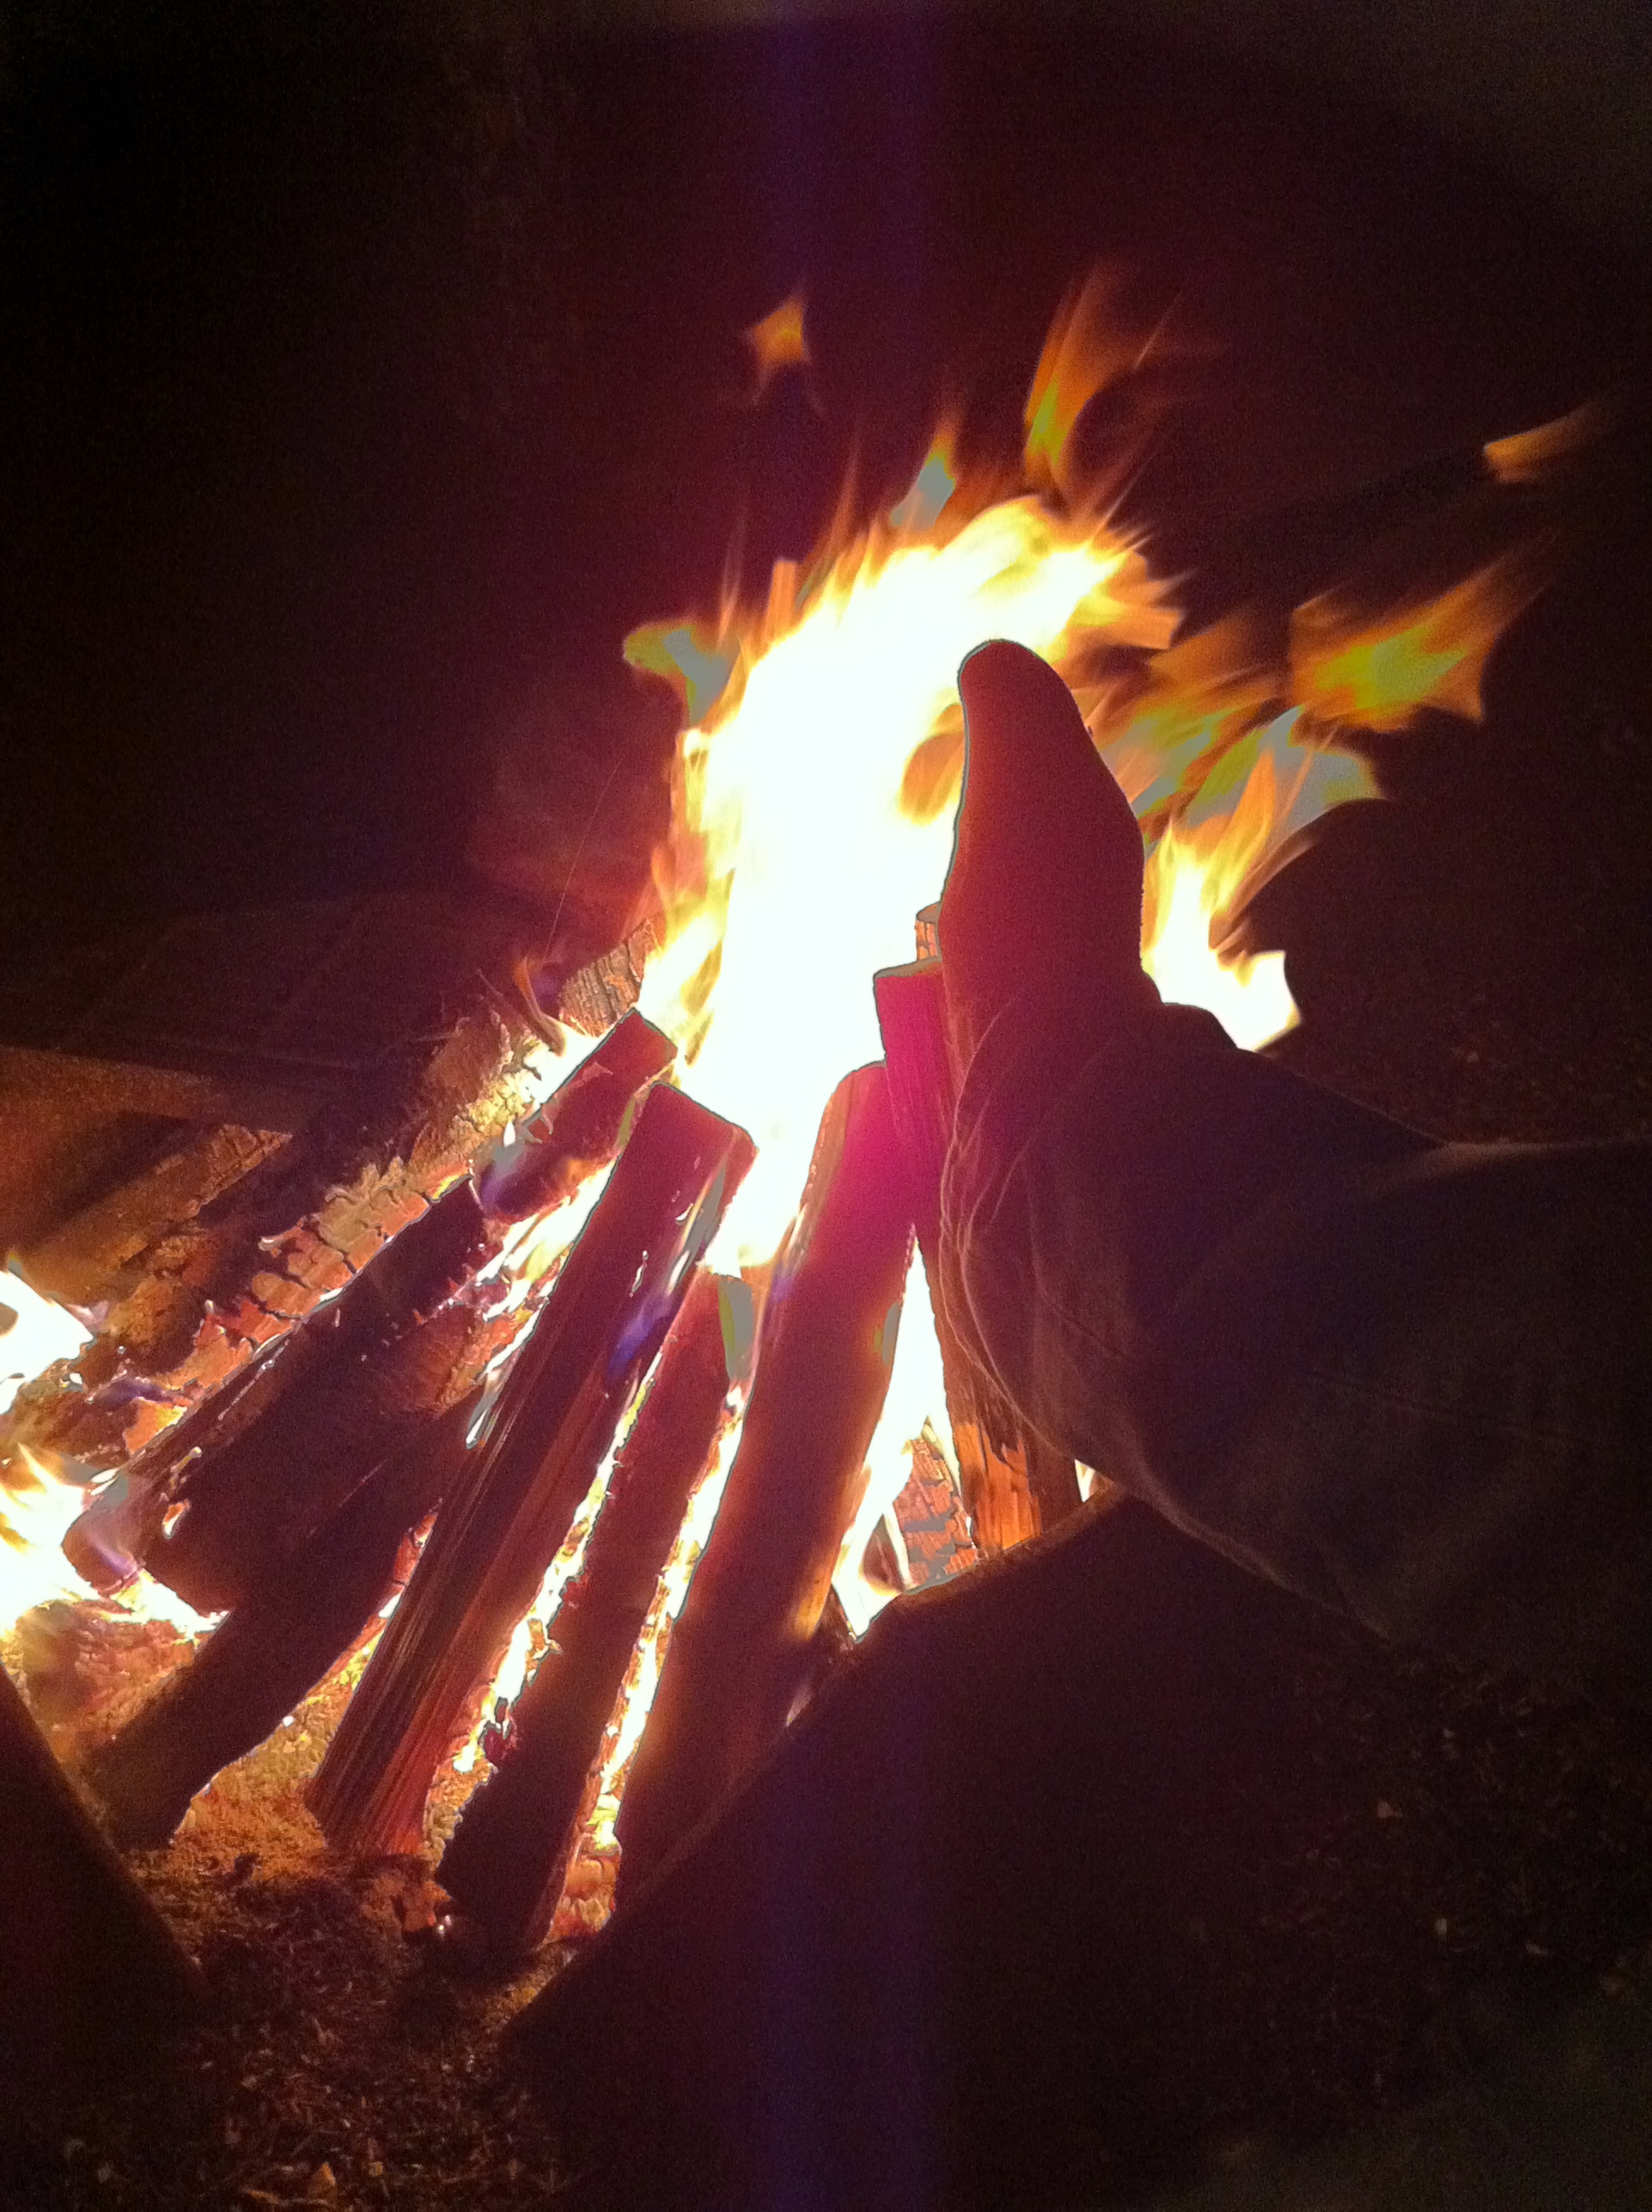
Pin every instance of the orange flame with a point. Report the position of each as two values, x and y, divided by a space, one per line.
1536 456
779 341
35 1333
1375 672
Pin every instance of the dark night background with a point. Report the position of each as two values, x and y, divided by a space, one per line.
368 371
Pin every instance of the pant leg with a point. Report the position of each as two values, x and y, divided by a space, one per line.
1408 1379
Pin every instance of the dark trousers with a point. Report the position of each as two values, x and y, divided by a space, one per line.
1410 1380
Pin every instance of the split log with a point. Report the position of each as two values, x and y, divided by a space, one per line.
602 1326
579 1127
89 1973
739 1649
1014 1484
258 1664
507 1860
372 1366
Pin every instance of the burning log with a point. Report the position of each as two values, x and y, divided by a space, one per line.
256 1665
89 1971
508 1857
740 1647
1014 1484
617 1294
256 1483
581 1126
231 1521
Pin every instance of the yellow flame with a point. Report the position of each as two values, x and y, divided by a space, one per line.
41 1496
916 1400
795 869
35 1333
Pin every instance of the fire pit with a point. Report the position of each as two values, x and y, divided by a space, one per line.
488 1419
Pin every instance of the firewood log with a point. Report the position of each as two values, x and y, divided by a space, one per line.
1014 1484
509 1857
502 1524
106 1544
257 1665
739 1649
89 1973
249 1509
372 1366
579 1127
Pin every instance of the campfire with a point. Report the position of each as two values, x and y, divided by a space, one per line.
575 1417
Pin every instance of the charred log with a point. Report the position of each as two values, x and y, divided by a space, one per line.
257 1665
243 1513
579 1127
739 1651
508 1857
256 1484
1014 1484
89 1973
601 1327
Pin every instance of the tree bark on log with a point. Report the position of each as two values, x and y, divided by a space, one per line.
257 1665
739 1649
348 1389
601 1327
508 1859
89 1973
1014 1484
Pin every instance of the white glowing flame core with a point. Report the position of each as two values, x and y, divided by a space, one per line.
34 1334
37 1507
1250 998
916 1399
813 872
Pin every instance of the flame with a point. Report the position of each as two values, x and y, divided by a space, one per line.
916 1400
1536 456
40 1496
815 781
35 1333
1376 672
778 341
795 869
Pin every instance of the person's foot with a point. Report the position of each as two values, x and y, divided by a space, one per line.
1046 880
